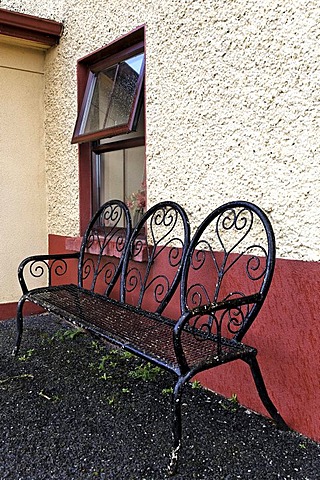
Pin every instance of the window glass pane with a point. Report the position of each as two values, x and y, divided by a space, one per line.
113 95
100 101
138 132
112 176
122 177
134 178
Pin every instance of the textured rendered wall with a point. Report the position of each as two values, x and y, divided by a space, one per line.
232 102
23 212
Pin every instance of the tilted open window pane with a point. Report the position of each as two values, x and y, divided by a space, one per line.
111 100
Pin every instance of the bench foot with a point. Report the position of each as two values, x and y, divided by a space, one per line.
263 394
16 349
177 424
172 468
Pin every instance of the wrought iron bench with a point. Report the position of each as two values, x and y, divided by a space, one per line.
127 278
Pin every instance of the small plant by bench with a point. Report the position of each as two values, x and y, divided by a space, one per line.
128 279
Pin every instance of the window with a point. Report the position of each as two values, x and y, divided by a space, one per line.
110 126
112 97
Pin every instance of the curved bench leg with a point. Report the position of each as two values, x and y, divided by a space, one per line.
19 326
263 394
177 426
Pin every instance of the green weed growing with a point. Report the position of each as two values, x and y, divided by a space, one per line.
146 372
27 355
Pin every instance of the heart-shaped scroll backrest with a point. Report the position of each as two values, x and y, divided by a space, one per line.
103 247
232 228
231 255
153 263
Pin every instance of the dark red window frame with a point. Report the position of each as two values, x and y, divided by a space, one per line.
86 65
119 129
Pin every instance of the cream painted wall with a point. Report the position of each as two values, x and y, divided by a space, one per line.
23 217
232 106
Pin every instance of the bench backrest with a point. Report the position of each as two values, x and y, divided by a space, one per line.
103 247
231 256
153 261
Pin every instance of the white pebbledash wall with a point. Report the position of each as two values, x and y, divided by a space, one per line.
232 106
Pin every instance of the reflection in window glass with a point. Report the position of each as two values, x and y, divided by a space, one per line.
113 95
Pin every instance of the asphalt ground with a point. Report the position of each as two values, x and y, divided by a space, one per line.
73 408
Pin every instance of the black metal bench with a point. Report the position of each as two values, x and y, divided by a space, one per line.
127 278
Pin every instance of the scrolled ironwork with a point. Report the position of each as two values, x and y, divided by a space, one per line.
236 318
200 254
160 286
166 218
240 271
256 266
103 247
133 279
206 320
138 247
41 267
59 267
109 272
38 268
175 254
111 215
87 268
240 220
90 240
120 243
197 295
201 326
159 239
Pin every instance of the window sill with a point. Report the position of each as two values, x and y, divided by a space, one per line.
74 244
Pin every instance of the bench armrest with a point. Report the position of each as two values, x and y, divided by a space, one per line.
209 308
37 266
202 310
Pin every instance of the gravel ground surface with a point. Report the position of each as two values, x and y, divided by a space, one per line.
72 408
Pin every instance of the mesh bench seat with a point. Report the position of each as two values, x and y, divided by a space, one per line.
136 330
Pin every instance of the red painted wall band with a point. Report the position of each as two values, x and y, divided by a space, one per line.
9 310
